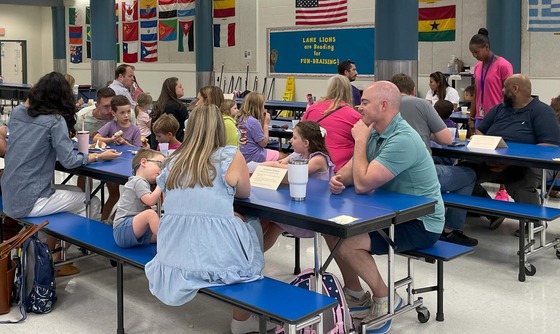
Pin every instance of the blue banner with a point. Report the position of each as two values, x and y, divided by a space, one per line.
317 51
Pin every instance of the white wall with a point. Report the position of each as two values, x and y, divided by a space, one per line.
538 60
32 24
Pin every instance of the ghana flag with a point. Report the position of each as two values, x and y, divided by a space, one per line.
436 24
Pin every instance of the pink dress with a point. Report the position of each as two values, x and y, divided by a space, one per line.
498 72
338 124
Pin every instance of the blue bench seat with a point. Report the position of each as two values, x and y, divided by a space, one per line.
268 298
525 213
439 253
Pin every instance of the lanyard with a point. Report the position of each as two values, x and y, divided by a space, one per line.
483 77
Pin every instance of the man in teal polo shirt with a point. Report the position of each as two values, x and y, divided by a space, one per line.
388 155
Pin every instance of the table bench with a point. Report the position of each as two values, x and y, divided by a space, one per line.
268 298
527 214
439 253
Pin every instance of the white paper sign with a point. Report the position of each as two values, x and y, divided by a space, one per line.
267 177
486 142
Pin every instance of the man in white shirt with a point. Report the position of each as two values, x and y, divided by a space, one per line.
124 78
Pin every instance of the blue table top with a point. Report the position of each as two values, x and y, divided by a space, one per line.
15 85
459 117
518 154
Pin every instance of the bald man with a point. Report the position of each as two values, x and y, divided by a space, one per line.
388 155
521 118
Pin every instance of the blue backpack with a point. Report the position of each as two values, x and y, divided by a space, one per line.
35 287
338 319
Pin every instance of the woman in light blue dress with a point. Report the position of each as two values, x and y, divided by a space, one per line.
201 243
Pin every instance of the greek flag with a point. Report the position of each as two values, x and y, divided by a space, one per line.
544 15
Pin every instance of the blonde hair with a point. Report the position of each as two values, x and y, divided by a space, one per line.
142 100
252 105
204 134
339 91
143 153
70 79
226 107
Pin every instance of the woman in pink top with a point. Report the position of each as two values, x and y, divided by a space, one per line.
334 113
489 73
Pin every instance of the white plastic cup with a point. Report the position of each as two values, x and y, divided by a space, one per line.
453 132
83 142
298 175
294 123
90 102
164 148
464 110
462 134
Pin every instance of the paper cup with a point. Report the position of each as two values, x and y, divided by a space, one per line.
298 175
453 132
464 110
83 142
164 148
462 134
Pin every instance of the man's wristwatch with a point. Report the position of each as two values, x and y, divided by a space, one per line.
96 157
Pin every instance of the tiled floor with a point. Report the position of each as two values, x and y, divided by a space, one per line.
482 294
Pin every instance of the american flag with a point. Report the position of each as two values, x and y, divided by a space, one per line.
316 12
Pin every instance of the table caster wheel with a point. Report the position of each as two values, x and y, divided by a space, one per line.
423 314
530 270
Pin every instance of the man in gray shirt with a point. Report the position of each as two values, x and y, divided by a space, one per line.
423 118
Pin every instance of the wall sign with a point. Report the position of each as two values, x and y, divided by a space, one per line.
317 51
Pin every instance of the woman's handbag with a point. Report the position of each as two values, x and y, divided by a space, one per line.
8 265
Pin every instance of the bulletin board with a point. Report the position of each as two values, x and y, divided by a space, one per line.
317 51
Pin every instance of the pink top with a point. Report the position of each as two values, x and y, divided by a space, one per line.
494 79
144 122
339 140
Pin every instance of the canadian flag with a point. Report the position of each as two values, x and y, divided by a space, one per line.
130 11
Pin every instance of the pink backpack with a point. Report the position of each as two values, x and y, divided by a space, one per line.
335 321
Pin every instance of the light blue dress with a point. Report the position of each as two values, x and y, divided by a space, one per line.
200 242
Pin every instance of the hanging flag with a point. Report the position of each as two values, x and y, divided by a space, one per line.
186 36
314 12
88 33
224 8
148 30
118 53
130 52
73 16
88 15
436 24
76 54
544 15
117 10
130 31
117 31
129 11
168 30
224 35
148 9
75 35
167 9
148 52
185 8
88 50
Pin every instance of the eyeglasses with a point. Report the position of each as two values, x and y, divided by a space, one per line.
157 162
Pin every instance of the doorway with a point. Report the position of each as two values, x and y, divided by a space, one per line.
13 61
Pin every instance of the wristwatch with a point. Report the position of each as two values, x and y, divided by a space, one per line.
96 157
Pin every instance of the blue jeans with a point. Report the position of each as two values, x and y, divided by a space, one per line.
457 180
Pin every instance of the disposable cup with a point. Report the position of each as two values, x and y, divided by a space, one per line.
462 134
298 175
164 148
453 132
83 141
464 110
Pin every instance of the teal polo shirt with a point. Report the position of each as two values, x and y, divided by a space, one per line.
401 150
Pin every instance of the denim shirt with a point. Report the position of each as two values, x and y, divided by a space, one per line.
34 145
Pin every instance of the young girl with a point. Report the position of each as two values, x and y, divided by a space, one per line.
120 131
143 120
204 244
308 143
39 136
135 222
229 112
254 119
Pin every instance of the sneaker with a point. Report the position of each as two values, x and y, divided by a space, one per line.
378 310
250 325
495 222
359 308
502 195
458 237
66 270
